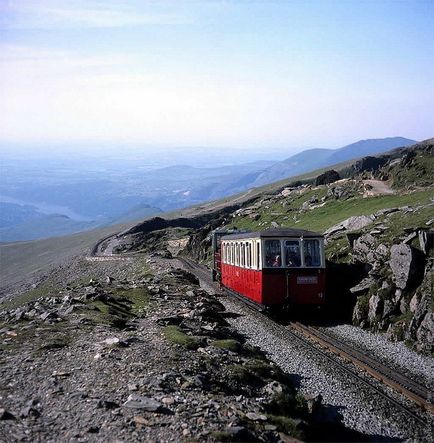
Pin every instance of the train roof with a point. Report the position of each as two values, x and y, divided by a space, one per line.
286 232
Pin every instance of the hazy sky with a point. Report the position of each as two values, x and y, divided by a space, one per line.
216 73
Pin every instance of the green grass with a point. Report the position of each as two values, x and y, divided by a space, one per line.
43 290
138 297
123 306
175 335
287 425
229 344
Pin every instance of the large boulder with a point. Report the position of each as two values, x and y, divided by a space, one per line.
405 263
354 223
327 177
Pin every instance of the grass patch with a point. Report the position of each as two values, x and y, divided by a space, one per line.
139 298
120 306
229 344
241 375
43 290
175 335
287 425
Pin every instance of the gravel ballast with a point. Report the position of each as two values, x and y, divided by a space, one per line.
359 408
395 354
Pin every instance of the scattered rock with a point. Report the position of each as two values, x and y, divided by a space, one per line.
136 401
256 417
363 286
6 415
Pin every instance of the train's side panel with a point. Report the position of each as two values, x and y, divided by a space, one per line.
247 282
273 286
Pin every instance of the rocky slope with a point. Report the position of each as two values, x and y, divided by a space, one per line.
140 353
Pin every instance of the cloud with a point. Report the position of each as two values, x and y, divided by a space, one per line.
46 14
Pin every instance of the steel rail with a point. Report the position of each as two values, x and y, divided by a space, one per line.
414 391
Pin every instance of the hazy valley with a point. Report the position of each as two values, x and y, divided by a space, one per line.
56 196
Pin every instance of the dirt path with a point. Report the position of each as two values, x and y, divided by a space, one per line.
376 187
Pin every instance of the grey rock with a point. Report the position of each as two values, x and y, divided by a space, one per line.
386 211
389 308
414 302
359 313
403 263
363 286
364 247
426 240
375 308
273 388
256 417
136 401
6 415
274 224
409 238
357 222
351 224
313 403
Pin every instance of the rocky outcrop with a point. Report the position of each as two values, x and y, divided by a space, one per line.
396 293
327 177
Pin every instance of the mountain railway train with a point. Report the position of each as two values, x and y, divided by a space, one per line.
272 268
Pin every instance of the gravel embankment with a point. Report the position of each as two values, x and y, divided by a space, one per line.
360 408
397 355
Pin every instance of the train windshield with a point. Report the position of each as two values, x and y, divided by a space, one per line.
312 253
292 253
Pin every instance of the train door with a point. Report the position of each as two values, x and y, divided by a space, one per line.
292 261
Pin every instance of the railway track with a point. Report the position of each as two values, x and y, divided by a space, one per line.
414 391
315 340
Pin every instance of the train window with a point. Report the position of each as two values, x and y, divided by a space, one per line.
312 254
232 254
249 255
292 253
243 254
273 253
258 255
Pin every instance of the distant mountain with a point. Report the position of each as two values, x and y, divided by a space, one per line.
363 148
311 159
304 161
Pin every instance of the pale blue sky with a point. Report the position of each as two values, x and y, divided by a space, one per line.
216 73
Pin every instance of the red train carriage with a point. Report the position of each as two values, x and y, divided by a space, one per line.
273 267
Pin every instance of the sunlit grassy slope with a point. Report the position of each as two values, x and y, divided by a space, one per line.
286 212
